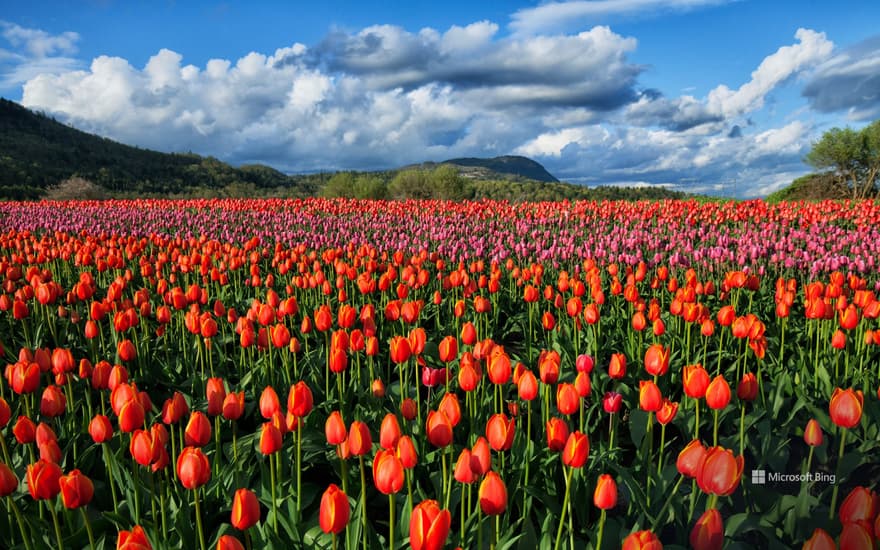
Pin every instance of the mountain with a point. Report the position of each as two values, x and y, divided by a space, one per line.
38 153
509 167
43 158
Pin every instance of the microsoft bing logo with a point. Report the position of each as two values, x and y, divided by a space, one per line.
759 477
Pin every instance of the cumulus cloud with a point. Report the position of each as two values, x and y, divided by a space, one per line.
555 16
371 99
849 81
812 48
31 52
384 97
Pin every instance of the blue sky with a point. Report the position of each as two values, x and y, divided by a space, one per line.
716 96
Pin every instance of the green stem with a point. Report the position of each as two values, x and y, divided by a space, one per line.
274 500
51 507
564 507
88 528
838 478
742 424
601 530
363 503
659 515
298 472
662 445
199 519
715 430
391 522
18 518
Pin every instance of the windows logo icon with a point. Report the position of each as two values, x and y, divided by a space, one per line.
759 477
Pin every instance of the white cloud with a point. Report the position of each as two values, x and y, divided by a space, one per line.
385 97
812 48
848 82
34 52
38 43
555 16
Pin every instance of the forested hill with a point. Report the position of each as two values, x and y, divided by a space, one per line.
43 158
38 152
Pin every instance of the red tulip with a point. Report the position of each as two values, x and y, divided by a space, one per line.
718 393
135 539
388 474
468 333
5 413
695 380
451 408
389 432
439 429
527 386
24 430
720 472
463 471
568 401
233 405
481 457
576 451
617 366
198 430
856 537
271 439
408 408
657 360
359 440
8 481
52 403
175 408
557 434
583 384
228 542
429 526
299 400
748 387
820 540
131 415
406 452
708 532
493 495
813 433
612 402
76 489
642 540
215 393
498 366
25 377
245 509
400 349
334 429
193 468
845 407
142 448
650 399
126 350
667 412
335 510
269 403
43 479
690 459
500 431
859 506
448 349
605 495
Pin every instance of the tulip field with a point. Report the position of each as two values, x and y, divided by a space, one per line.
345 374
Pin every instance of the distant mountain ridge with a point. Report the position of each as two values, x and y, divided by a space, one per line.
517 167
43 158
38 152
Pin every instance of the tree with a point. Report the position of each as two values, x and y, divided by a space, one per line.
853 157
